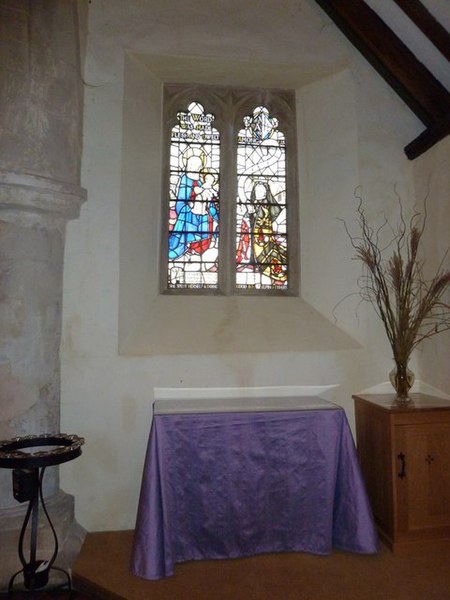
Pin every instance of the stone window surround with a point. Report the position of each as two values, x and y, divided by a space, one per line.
151 323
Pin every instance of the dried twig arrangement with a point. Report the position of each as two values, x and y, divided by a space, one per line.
411 306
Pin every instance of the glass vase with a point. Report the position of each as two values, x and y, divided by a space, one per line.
402 379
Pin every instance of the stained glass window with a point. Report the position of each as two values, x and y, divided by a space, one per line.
261 227
193 241
230 201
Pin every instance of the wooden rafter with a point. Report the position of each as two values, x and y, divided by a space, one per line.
425 21
393 60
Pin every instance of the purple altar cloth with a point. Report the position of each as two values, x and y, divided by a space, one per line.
226 485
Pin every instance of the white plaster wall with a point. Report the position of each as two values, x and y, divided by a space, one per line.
352 130
432 185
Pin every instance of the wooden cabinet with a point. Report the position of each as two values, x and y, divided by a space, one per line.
404 454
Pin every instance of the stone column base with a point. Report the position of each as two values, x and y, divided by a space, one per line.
60 508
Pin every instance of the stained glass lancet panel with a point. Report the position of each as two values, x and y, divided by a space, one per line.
193 249
261 226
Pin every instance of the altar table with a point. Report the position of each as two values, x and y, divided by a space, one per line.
232 484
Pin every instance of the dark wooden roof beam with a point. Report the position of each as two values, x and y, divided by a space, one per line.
393 60
425 21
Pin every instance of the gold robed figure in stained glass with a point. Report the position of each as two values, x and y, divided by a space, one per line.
261 253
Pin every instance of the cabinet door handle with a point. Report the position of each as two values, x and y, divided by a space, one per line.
402 458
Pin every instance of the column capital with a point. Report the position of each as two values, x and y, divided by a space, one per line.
30 199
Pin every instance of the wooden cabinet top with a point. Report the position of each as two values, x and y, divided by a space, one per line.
418 403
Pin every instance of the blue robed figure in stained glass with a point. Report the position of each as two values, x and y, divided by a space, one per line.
196 215
193 240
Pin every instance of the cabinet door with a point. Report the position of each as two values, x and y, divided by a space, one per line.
423 492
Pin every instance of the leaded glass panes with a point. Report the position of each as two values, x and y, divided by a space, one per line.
193 241
243 140
261 227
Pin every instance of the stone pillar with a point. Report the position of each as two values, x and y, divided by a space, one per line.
40 153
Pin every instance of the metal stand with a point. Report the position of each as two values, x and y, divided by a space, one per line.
36 572
28 473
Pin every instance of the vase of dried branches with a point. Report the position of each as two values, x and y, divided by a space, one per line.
411 306
402 380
